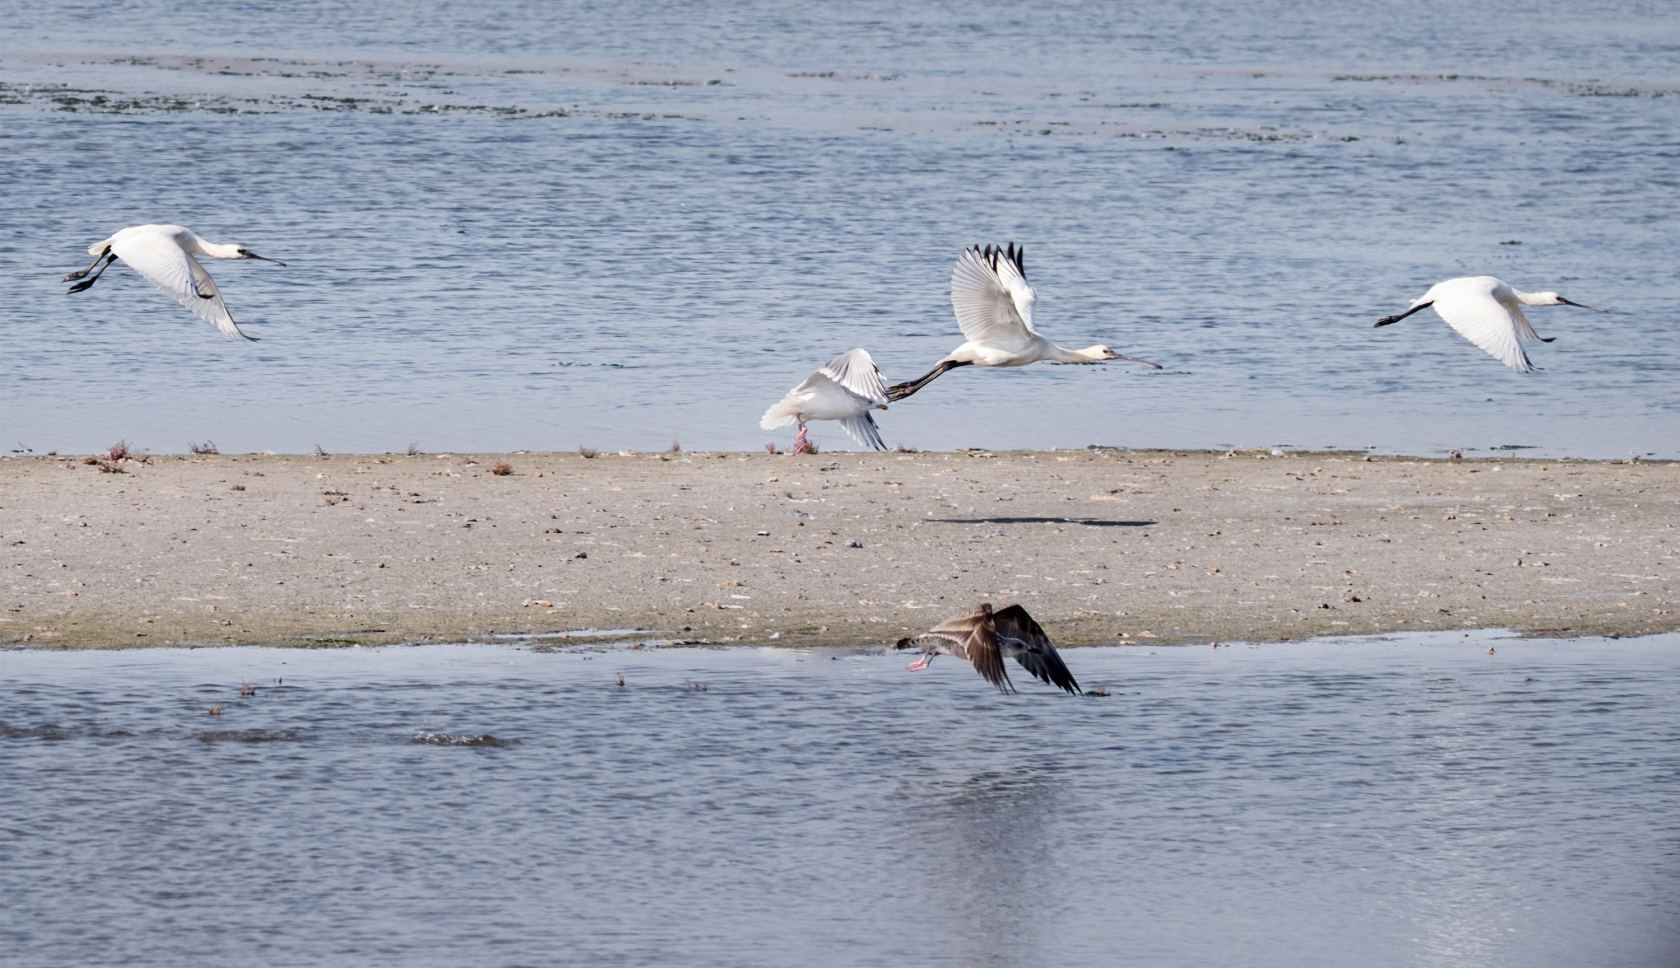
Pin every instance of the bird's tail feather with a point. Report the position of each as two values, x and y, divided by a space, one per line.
781 414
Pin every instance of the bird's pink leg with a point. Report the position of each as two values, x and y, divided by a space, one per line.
801 445
922 663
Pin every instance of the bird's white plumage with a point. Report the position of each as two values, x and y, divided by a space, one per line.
856 372
161 260
1473 308
845 388
992 305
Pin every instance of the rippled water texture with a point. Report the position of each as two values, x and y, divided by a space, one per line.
521 225
1410 801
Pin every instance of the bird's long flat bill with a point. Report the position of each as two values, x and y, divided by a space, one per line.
252 255
1133 359
1567 302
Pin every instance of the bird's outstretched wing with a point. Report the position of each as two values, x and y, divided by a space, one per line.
1485 321
1012 273
1038 655
993 302
861 428
164 264
856 372
987 658
1525 332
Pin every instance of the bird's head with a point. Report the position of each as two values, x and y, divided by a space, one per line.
1553 299
1101 352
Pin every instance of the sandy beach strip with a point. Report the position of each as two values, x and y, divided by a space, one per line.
1103 546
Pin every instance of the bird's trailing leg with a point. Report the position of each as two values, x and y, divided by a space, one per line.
922 663
1395 319
72 277
902 390
802 445
109 258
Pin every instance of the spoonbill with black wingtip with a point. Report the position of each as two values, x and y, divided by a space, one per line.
994 307
1488 312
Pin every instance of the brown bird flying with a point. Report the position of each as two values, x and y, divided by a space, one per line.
985 638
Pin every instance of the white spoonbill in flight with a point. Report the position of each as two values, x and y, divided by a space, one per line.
846 388
163 255
1489 313
994 308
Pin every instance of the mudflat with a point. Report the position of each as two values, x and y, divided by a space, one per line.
1102 546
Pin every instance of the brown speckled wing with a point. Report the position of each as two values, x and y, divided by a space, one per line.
978 643
984 653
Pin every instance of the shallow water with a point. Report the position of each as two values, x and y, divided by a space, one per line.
514 225
1406 801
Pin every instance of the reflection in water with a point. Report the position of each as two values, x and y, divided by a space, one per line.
984 844
1413 800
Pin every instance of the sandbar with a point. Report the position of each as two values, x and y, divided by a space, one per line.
1103 546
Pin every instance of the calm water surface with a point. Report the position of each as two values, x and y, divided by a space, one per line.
1405 801
532 225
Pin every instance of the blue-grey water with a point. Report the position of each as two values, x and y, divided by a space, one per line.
538 225
1408 801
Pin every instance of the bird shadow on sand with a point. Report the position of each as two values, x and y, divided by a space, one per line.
1091 522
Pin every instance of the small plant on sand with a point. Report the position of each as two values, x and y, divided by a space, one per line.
208 447
321 451
413 449
676 448
117 451
90 459
768 449
588 452
109 466
501 468
901 449
806 447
